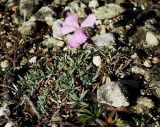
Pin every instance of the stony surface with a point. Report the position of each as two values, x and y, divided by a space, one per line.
110 80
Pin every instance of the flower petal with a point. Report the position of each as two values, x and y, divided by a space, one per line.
79 37
89 21
67 29
71 20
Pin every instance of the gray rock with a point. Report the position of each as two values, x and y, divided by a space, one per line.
28 7
45 14
93 4
151 39
106 39
146 36
33 59
4 64
77 7
8 44
53 42
155 88
68 38
56 29
28 28
113 94
108 11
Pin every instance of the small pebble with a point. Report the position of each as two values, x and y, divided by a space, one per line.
144 104
24 61
156 60
8 45
151 39
4 64
32 50
97 61
147 63
33 60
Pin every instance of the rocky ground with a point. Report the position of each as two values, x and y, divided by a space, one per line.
110 81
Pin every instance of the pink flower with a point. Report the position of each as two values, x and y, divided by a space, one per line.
71 25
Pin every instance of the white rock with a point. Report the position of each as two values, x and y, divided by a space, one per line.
147 63
45 14
56 29
97 61
103 29
112 94
8 44
81 12
108 11
106 39
33 60
3 110
4 64
32 50
76 7
51 42
68 38
146 102
156 60
151 39
93 4
134 56
98 22
60 44
49 20
28 28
